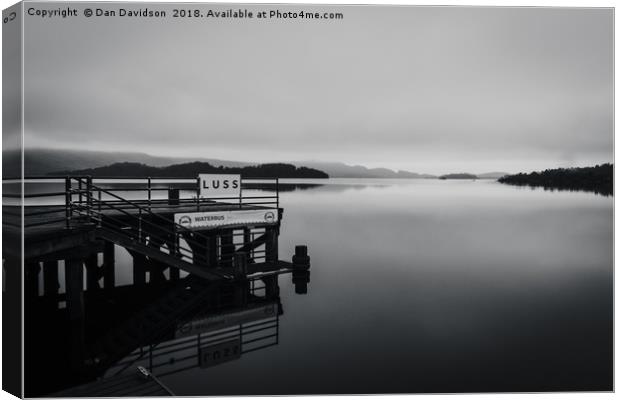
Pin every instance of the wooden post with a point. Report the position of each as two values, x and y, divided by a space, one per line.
247 238
68 198
240 265
271 245
272 290
139 269
212 250
227 247
173 246
108 265
92 272
50 278
74 283
31 275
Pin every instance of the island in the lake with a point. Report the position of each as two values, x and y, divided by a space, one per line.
598 179
458 176
138 170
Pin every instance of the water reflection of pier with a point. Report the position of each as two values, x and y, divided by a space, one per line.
78 334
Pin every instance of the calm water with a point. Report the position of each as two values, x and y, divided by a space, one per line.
440 286
433 286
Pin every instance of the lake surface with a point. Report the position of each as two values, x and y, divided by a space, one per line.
432 286
436 286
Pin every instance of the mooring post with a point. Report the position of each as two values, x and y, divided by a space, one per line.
50 278
301 269
301 278
301 260
108 265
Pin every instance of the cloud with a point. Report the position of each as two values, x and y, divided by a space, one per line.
386 86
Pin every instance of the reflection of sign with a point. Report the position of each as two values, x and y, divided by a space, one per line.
218 218
221 321
219 185
219 353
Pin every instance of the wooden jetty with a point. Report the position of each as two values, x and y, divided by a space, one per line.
94 217
76 224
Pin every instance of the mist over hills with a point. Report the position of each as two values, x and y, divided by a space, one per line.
40 161
342 170
46 161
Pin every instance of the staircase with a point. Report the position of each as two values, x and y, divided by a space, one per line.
137 228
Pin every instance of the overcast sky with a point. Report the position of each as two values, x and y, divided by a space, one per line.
418 88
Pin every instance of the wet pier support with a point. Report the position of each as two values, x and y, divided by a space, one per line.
240 271
240 265
31 279
272 289
271 245
212 251
109 264
227 246
173 245
50 278
139 269
92 272
74 283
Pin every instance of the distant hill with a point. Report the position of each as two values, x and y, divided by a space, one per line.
342 170
598 179
492 175
458 176
40 161
44 161
194 168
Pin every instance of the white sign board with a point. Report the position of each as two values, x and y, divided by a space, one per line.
212 185
210 219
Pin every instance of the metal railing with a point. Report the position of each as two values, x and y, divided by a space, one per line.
144 192
140 223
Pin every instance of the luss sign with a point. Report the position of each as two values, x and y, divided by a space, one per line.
219 185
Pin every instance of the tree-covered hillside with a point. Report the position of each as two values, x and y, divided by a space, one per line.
127 169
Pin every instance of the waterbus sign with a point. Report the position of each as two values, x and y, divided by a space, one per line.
217 185
208 219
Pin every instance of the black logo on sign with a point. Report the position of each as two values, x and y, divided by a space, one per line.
185 221
270 217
